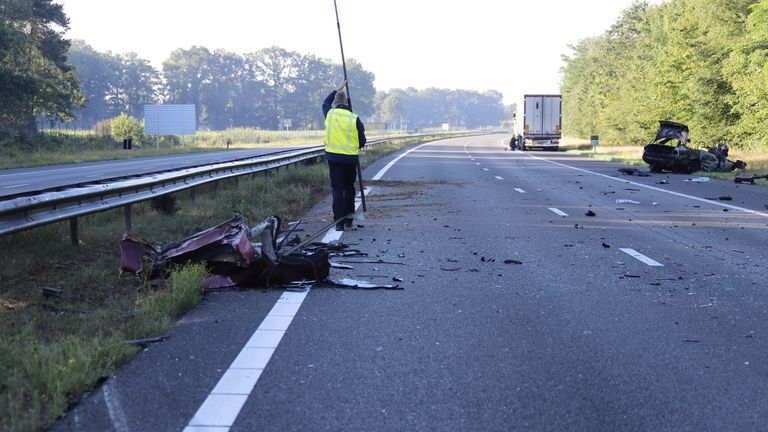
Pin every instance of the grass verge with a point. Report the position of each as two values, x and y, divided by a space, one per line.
55 347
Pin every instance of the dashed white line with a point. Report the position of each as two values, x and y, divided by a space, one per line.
519 190
640 257
557 211
499 178
477 163
486 169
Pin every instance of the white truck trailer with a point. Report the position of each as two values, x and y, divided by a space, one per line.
541 122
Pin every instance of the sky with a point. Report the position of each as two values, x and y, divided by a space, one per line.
511 46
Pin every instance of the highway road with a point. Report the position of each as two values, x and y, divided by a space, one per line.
542 292
21 180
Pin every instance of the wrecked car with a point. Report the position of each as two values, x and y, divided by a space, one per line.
716 159
234 254
682 159
678 158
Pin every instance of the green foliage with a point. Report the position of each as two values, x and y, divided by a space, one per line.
35 78
693 61
125 126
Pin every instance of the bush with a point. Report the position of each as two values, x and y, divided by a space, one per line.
104 128
125 126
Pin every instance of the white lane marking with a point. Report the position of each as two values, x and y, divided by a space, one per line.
222 406
486 169
519 190
704 200
477 163
15 186
499 178
557 211
114 409
386 168
640 257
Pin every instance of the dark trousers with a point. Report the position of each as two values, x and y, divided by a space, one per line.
343 177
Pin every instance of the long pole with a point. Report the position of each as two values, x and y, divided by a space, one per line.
344 68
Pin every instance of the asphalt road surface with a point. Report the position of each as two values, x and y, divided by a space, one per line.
21 180
519 312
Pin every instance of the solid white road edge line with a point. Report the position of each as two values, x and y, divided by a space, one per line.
499 178
386 168
715 203
557 211
640 257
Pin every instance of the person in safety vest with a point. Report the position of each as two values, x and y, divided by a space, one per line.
344 137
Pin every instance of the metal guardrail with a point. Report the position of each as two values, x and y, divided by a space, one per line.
49 206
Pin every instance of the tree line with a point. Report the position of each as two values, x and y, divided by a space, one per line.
46 79
703 63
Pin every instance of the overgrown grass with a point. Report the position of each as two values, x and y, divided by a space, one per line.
55 348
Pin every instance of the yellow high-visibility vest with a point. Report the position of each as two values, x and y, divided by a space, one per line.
341 132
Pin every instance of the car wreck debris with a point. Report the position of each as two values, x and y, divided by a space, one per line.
683 159
234 253
742 178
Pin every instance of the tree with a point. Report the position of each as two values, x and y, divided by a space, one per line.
34 75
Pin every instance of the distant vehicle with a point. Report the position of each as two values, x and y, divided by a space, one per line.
540 123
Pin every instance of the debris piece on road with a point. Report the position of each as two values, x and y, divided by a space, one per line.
512 261
664 181
352 283
635 171
743 178
606 245
450 269
51 292
630 275
725 198
146 341
698 180
627 201
234 254
590 213
340 266
691 340
397 279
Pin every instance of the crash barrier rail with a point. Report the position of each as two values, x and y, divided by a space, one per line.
44 207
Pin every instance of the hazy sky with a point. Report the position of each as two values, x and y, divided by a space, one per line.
507 45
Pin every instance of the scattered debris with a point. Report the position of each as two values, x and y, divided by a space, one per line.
725 198
630 275
590 213
397 279
627 201
606 245
662 182
635 171
234 253
352 283
743 178
691 340
340 266
144 342
512 261
698 180
51 292
450 269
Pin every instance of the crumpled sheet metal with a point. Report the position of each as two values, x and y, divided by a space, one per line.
234 253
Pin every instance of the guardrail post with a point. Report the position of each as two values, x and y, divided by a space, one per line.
128 222
215 189
192 196
73 231
237 184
